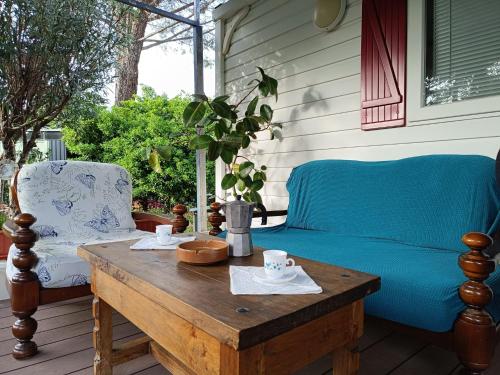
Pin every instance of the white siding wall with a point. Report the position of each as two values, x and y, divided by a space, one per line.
319 103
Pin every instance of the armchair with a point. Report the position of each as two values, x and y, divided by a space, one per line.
61 205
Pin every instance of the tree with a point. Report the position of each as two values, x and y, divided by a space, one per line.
135 24
51 52
160 32
124 133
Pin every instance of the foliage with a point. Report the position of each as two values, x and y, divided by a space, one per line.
51 51
3 218
123 133
228 133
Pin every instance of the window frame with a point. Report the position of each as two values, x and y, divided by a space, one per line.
416 57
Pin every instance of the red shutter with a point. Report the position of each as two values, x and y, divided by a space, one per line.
383 64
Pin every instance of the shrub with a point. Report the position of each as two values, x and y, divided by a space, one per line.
122 135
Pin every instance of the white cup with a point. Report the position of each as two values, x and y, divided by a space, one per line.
276 262
164 234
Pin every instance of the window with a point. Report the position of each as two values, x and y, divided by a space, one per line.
462 51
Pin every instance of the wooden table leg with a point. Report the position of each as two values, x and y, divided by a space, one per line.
346 360
102 337
246 362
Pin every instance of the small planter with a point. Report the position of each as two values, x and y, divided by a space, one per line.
5 243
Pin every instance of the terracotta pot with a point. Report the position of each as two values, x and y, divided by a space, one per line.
5 243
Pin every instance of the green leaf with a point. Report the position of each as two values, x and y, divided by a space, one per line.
228 181
205 122
165 152
266 112
200 141
260 176
246 168
264 76
193 113
226 155
221 98
251 124
245 141
248 181
255 197
234 139
214 150
241 185
263 167
154 161
223 110
251 106
264 88
273 87
219 129
257 185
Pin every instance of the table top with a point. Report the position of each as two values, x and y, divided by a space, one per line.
201 294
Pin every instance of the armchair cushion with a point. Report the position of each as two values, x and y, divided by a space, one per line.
76 199
59 266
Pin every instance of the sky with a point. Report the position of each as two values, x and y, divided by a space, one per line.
170 72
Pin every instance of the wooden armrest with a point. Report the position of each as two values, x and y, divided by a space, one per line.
148 222
9 227
145 216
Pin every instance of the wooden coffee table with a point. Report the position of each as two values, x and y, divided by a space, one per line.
194 325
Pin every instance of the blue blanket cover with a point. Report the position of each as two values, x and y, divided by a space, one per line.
401 220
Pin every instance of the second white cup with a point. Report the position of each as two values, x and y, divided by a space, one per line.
164 234
276 263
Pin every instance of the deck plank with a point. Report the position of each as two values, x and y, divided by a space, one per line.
51 313
5 310
61 349
50 323
60 333
388 354
431 360
69 363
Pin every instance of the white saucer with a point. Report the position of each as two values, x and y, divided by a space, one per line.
173 240
261 277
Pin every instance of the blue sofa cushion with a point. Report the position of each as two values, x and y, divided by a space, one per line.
419 285
429 201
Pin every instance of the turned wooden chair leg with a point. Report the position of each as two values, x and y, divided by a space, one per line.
25 288
474 331
215 219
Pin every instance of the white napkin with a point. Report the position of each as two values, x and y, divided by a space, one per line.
151 243
243 282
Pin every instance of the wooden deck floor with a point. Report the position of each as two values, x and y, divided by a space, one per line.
65 342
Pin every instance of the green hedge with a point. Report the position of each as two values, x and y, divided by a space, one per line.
122 134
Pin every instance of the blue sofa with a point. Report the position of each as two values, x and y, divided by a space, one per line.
402 220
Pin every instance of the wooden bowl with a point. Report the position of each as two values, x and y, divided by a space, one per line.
202 251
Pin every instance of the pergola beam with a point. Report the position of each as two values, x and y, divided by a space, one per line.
160 12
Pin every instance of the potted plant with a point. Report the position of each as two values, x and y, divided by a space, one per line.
228 131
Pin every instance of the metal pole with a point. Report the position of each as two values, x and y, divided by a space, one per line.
201 169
